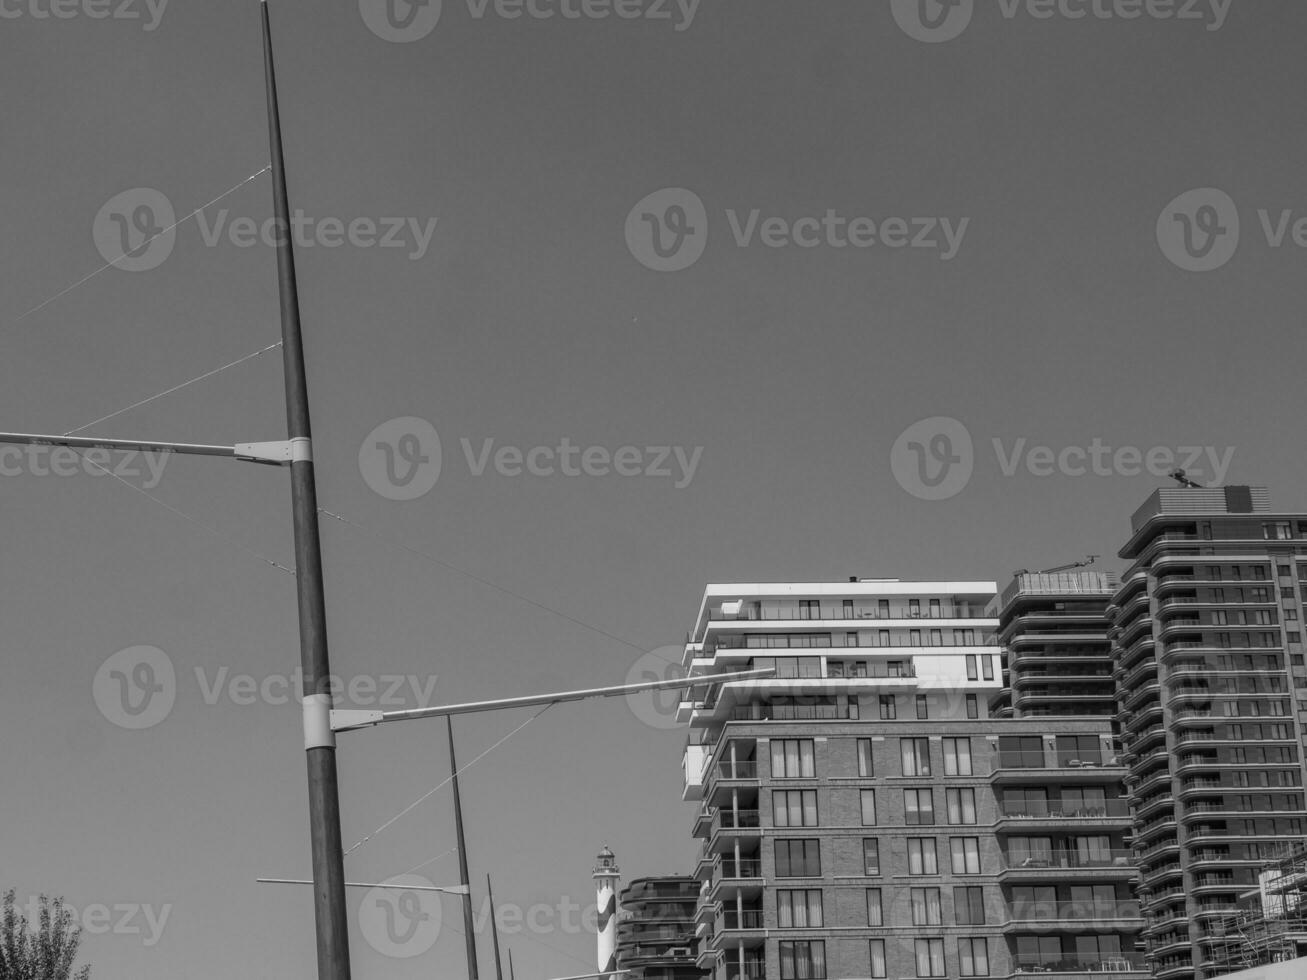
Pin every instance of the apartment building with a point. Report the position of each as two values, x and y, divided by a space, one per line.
656 929
1212 692
864 815
1057 657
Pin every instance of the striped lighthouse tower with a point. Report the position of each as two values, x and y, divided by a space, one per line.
606 876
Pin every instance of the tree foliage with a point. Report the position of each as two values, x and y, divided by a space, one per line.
44 953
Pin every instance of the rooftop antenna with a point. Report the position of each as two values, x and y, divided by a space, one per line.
1089 560
1179 477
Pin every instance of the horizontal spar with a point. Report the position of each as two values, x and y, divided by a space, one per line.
451 889
257 452
346 720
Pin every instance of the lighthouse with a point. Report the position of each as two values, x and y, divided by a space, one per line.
606 875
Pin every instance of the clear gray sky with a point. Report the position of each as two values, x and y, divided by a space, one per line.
529 319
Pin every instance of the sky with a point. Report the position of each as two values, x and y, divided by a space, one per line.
822 290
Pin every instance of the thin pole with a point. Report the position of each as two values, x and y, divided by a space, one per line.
319 740
511 974
494 927
469 929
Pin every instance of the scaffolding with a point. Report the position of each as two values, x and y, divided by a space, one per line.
1270 923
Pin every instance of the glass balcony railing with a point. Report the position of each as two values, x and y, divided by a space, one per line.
790 712
1065 809
1071 963
1100 909
743 868
747 769
1038 760
746 919
1088 858
736 819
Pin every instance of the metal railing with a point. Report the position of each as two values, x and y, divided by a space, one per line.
790 712
743 868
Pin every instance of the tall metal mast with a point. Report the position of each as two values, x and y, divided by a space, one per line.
319 739
469 928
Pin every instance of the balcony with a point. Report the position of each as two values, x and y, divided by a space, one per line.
791 712
729 826
1039 863
1071 965
1121 914
752 969
733 919
742 877
1030 814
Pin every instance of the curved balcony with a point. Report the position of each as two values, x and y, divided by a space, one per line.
1153 828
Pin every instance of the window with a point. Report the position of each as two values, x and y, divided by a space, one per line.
846 609
973 957
957 757
969 905
972 673
923 710
798 858
870 856
878 959
987 668
973 706
794 808
888 708
921 856
915 753
918 806
914 608
925 907
792 758
809 609
804 960
965 852
914 638
935 612
868 807
875 915
937 638
882 608
961 804
866 767
930 958
798 908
